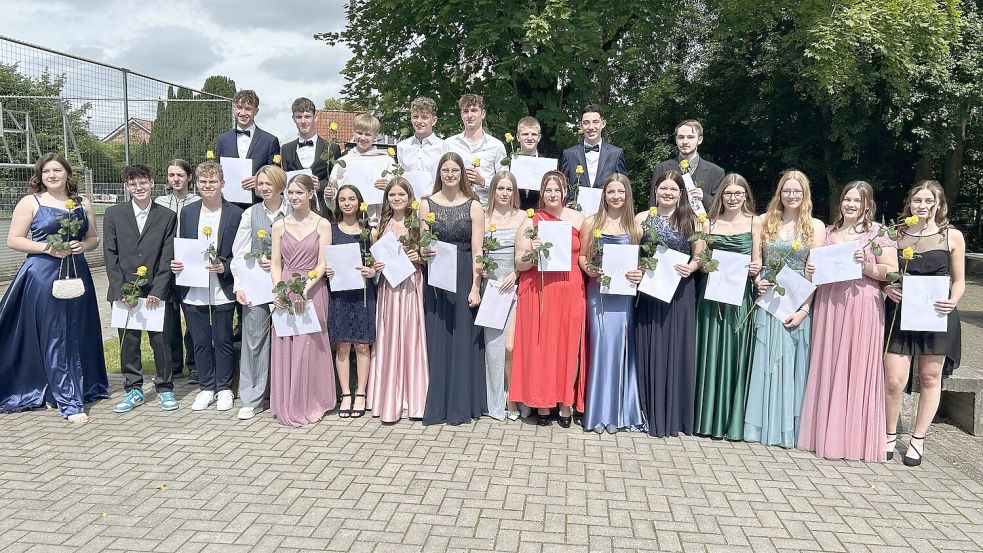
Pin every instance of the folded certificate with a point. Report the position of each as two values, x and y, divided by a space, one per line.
398 266
529 170
191 252
662 282
234 170
362 174
286 324
919 294
560 235
292 174
421 181
618 259
443 267
345 259
589 200
697 205
836 263
728 283
797 290
140 317
495 306
256 281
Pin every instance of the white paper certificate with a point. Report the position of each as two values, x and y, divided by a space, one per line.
421 181
662 282
697 205
286 324
560 235
728 283
292 174
617 260
398 266
589 200
919 294
234 170
836 263
529 170
495 306
345 259
191 252
362 174
443 267
256 281
797 290
141 318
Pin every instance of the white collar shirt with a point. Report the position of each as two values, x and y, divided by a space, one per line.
243 141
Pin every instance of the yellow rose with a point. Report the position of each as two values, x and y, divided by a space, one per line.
69 204
476 162
363 207
431 217
701 217
908 253
277 159
391 152
261 234
333 126
141 271
796 245
597 233
209 155
653 211
684 165
207 230
509 137
530 213
312 275
492 227
415 205
580 170
911 220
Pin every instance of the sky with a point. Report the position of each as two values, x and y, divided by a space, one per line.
266 46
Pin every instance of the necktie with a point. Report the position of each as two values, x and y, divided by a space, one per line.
305 144
246 132
594 148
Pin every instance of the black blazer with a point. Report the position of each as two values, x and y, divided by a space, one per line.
126 248
612 161
262 148
707 177
227 226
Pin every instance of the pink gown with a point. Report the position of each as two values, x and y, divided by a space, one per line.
843 413
302 384
398 378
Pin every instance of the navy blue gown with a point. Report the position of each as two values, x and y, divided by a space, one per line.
351 316
51 348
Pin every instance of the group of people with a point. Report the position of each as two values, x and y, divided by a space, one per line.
827 378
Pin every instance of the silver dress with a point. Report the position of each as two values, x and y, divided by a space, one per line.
495 339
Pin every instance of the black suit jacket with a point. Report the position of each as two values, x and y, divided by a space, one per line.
611 161
707 177
321 169
262 148
126 248
226 233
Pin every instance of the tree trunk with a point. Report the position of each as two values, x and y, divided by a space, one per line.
832 187
953 165
925 169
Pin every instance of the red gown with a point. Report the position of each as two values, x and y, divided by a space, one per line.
550 346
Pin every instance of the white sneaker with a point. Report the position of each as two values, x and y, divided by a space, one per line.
203 400
246 413
225 400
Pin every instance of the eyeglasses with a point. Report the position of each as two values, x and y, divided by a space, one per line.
792 193
450 171
734 195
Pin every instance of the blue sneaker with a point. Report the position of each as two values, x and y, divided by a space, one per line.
167 401
132 399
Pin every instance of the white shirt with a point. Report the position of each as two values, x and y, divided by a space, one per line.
200 295
306 153
244 238
176 204
339 178
141 215
592 160
420 155
243 141
489 149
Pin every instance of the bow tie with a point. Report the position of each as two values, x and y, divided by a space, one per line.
305 143
594 148
246 132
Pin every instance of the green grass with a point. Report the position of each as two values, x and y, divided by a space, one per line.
111 353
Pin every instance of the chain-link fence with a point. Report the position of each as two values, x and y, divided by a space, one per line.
101 118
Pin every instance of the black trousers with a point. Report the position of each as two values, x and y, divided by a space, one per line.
181 346
130 357
214 352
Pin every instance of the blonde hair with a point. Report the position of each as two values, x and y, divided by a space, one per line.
365 122
500 176
941 206
276 175
387 210
528 122
866 192
627 221
209 168
422 104
773 215
730 179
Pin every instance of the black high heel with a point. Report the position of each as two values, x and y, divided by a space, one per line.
356 413
543 420
346 413
892 442
908 461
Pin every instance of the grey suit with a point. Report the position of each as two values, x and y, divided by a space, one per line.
707 176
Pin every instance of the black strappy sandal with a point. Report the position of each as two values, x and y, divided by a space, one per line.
346 413
908 461
893 443
356 413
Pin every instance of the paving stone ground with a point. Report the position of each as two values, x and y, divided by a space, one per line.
184 481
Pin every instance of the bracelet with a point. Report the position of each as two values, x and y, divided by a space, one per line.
803 309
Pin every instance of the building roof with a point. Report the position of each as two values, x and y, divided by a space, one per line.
140 130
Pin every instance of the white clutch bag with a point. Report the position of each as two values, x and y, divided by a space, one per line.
69 287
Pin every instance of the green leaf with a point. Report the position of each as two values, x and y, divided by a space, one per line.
878 250
893 276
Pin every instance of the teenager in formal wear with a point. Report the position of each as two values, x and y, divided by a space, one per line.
929 247
550 356
455 347
597 158
482 153
52 348
724 356
612 399
665 337
351 317
398 376
302 387
422 151
780 362
528 134
209 308
366 131
843 413
254 238
706 176
502 219
179 195
139 244
246 140
307 151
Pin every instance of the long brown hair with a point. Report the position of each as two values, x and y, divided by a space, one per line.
627 221
37 186
732 179
683 219
941 207
465 184
387 210
866 192
549 177
773 215
308 183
